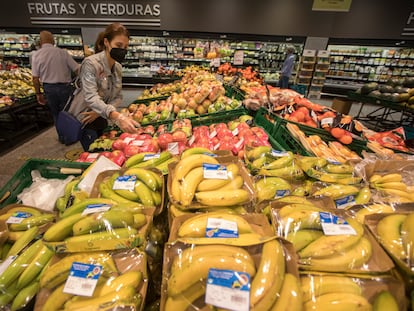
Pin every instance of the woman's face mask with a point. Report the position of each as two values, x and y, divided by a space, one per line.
118 54
118 48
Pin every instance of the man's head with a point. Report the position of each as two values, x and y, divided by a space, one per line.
290 49
46 37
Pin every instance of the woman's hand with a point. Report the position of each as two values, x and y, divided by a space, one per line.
89 117
126 124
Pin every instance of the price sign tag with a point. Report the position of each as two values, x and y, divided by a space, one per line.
212 134
138 143
278 153
335 225
92 156
151 156
6 263
228 289
82 279
173 148
127 140
327 121
96 208
18 217
238 58
214 171
215 62
345 202
221 228
125 182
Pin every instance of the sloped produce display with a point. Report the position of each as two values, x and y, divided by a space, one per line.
280 208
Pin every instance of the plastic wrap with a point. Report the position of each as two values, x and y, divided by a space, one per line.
328 291
395 233
271 267
121 285
99 224
329 240
204 181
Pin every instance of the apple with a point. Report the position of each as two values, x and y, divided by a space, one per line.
164 140
179 136
132 108
138 116
118 157
130 150
119 144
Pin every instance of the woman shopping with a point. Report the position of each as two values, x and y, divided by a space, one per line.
100 86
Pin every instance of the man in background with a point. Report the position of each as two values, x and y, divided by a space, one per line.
53 68
287 67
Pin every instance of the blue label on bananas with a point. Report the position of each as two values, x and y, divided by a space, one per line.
214 171
281 193
335 225
228 289
82 279
18 217
125 182
151 156
278 153
221 228
210 154
345 202
96 208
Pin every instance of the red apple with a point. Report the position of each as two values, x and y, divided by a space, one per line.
164 140
179 135
130 150
119 144
118 157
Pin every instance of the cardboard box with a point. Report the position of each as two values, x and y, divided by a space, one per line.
341 105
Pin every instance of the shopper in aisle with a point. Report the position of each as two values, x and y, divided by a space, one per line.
100 82
287 67
53 68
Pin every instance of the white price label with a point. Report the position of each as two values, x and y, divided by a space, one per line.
327 121
335 225
191 140
278 153
345 202
228 289
151 156
127 140
125 182
6 263
214 171
215 147
82 279
138 143
238 58
96 208
213 134
221 228
92 156
239 143
173 148
235 132
18 217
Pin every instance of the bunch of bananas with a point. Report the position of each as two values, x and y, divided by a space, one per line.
320 169
395 232
269 188
72 195
19 282
187 182
101 144
175 211
376 208
115 228
148 187
113 288
330 292
159 161
264 157
26 224
301 225
272 288
392 187
345 194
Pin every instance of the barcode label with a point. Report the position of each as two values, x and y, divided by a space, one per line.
335 225
221 228
82 279
238 299
214 171
18 217
125 182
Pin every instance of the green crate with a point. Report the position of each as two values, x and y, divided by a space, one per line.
48 169
147 100
218 117
261 120
233 92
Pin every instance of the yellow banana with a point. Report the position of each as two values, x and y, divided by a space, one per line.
139 220
7 294
338 302
13 236
13 271
328 245
281 162
106 192
363 196
388 230
397 185
198 270
216 184
397 193
182 301
289 172
31 222
136 158
395 177
144 193
339 168
269 188
163 167
56 300
294 199
103 221
196 226
127 194
25 209
28 236
148 177
24 296
5 249
79 207
299 220
257 152
175 193
337 191
151 163
156 198
290 297
407 237
195 150
176 211
374 178
302 238
269 277
385 301
236 183
35 267
316 285
377 208
350 259
223 198
187 164
129 278
61 229
189 185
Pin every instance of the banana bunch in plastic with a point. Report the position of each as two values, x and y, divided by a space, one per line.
395 232
301 225
320 169
72 195
345 194
113 226
147 189
152 160
376 208
331 292
112 290
271 287
19 282
188 183
393 187
270 188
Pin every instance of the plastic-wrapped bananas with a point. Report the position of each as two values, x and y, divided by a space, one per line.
392 187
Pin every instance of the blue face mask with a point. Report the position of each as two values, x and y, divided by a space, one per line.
118 54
